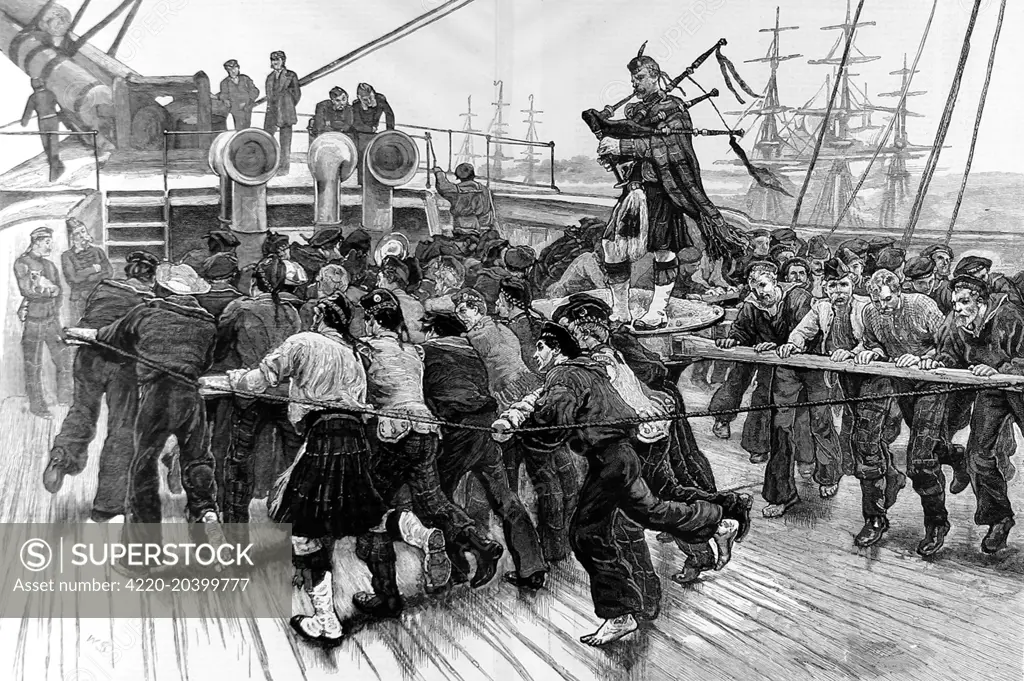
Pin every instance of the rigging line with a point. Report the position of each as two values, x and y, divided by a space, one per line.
892 122
828 110
713 105
828 113
416 24
944 124
977 122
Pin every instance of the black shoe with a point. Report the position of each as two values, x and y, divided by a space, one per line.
934 537
961 480
460 566
759 458
893 484
533 582
375 606
871 533
690 573
487 554
645 326
995 540
53 476
320 641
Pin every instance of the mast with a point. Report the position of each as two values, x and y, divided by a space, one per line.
768 145
467 152
892 213
837 187
530 154
498 129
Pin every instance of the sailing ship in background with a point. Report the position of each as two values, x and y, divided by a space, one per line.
785 136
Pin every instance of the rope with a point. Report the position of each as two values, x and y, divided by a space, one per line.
940 133
629 421
977 122
828 115
892 123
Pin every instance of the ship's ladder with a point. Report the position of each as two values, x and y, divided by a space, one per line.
135 221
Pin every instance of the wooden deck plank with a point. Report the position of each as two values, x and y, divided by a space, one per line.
797 602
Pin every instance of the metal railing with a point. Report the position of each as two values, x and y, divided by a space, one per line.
492 140
87 133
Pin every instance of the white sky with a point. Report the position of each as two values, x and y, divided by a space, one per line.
571 55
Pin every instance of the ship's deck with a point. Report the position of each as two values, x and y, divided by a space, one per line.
797 602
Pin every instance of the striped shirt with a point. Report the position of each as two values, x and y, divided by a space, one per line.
912 329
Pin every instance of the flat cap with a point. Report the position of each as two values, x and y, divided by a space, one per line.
222 238
834 270
358 239
890 259
520 257
816 248
41 233
783 235
973 283
937 248
557 336
918 268
142 258
849 257
971 263
759 266
325 238
220 266
379 299
879 243
857 245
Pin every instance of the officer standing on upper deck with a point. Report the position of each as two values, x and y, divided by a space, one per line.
43 104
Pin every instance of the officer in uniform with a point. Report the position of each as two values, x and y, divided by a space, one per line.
84 265
283 93
332 115
472 207
43 104
239 93
39 283
667 171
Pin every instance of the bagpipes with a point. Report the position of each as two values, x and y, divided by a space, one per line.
603 125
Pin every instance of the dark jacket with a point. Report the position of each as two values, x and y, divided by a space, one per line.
111 300
526 327
754 324
238 96
367 120
283 93
578 391
998 342
455 379
220 296
29 270
471 204
174 333
79 272
328 119
249 328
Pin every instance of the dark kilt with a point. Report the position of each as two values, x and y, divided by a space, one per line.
667 230
329 492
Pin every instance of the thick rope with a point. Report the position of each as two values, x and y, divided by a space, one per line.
977 123
629 421
828 115
940 134
892 123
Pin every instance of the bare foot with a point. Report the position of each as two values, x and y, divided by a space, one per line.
828 491
610 631
724 538
778 510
